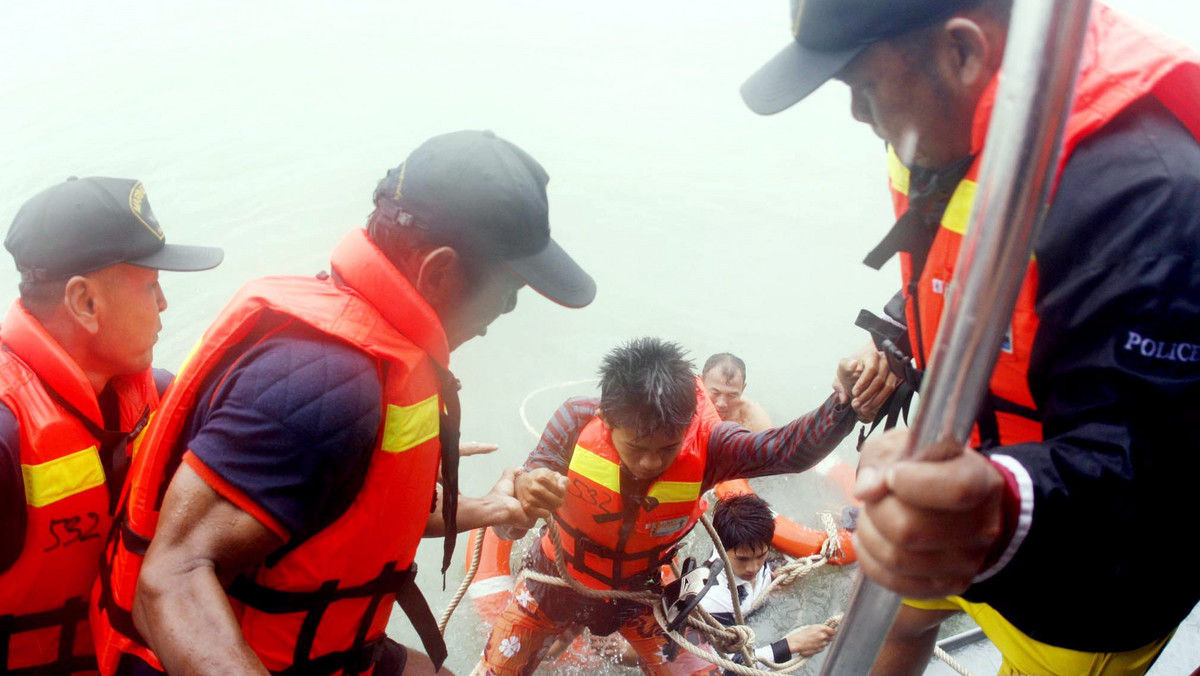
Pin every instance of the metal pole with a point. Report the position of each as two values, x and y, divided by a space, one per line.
1035 94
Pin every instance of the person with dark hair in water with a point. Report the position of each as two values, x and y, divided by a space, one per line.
724 377
623 476
745 525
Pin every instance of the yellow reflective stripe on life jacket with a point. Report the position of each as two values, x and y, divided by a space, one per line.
409 426
897 172
958 211
675 491
597 469
49 482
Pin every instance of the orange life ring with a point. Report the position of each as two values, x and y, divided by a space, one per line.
792 538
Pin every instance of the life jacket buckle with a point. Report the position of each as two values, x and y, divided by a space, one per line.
682 596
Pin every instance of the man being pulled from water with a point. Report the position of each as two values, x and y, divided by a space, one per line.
1084 432
276 503
625 474
745 525
724 377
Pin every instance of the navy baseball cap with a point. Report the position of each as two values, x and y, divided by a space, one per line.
85 224
478 193
827 35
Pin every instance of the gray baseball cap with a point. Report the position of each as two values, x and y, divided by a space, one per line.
827 35
481 194
84 224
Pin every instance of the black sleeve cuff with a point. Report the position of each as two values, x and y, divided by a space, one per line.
781 652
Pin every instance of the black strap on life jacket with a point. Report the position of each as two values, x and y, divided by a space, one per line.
989 425
448 437
66 618
887 338
908 233
362 653
651 558
929 193
120 619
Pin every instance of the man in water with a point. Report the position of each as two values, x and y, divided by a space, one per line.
724 377
76 388
624 474
745 525
277 501
1089 426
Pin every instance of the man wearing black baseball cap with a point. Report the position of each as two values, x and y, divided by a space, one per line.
310 427
1080 424
76 387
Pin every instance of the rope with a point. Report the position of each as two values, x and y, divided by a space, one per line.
950 661
476 554
787 667
566 383
745 644
738 638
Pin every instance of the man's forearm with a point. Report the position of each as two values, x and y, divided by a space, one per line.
735 453
472 513
186 619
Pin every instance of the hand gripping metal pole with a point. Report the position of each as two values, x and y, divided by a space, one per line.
1020 160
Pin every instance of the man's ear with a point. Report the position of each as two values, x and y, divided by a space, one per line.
439 277
81 302
973 53
603 421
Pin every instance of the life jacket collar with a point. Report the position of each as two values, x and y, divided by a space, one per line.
28 340
361 266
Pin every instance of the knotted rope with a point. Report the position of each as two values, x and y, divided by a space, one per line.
737 638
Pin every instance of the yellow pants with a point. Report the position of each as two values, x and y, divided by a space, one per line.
1025 655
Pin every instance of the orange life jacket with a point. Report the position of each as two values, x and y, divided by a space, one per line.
322 607
43 595
1122 62
612 544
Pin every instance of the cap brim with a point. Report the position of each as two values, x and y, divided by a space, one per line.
554 274
793 74
182 258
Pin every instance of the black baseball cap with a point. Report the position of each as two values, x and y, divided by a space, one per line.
478 193
827 35
84 224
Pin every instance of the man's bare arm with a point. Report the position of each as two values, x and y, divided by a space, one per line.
497 508
910 642
202 543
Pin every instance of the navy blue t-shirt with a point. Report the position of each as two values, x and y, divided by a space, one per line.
290 424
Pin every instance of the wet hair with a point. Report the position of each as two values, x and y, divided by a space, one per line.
648 386
744 520
729 364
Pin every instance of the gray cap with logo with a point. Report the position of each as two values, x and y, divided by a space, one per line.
82 225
